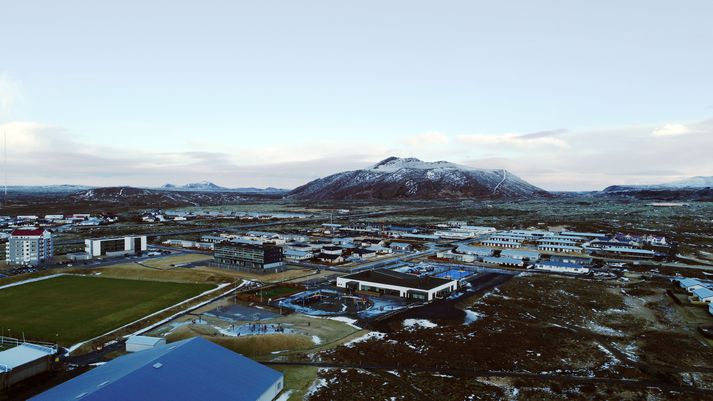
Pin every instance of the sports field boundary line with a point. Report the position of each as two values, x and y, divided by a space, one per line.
78 345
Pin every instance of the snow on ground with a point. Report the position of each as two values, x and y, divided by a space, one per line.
612 359
472 316
366 337
284 396
414 324
316 340
608 331
345 320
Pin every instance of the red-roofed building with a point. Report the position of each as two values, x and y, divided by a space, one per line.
29 247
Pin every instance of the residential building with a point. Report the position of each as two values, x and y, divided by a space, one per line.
520 254
117 246
251 257
500 261
561 267
474 250
389 282
560 248
29 247
401 247
458 257
193 369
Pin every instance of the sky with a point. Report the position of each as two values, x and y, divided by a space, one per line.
568 95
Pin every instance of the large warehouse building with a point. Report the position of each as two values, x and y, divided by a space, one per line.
120 246
188 370
388 282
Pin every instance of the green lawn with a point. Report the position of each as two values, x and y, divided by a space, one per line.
71 309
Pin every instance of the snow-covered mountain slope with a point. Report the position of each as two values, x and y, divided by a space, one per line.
695 188
399 178
196 186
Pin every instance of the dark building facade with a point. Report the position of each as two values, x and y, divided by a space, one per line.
251 257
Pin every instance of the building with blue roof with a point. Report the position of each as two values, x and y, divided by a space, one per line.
689 284
503 261
188 370
703 294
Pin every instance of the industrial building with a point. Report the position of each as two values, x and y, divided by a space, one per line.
388 282
29 247
249 257
24 361
193 369
118 246
474 250
143 343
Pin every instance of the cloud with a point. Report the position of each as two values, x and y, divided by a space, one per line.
538 139
427 139
9 92
555 160
671 130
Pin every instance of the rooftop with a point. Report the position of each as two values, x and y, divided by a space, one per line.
22 354
390 277
193 369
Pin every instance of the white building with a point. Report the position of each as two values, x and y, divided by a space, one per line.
703 295
560 248
142 343
561 267
389 282
29 247
459 257
118 246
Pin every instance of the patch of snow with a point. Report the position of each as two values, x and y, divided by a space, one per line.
472 316
346 320
284 396
316 340
366 337
414 324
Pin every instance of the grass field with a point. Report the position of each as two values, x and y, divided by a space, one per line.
71 309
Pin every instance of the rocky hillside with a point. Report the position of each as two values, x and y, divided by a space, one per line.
409 178
140 197
692 189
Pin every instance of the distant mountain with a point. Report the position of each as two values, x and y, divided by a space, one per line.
410 178
196 186
47 189
206 186
142 197
692 189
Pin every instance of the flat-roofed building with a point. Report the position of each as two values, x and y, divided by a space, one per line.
251 257
142 343
29 247
24 361
560 248
561 267
500 261
116 246
389 282
521 254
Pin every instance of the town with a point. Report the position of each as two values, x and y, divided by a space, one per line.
317 282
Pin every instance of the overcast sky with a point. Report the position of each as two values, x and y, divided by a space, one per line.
566 94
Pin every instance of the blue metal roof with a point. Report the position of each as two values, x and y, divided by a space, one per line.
703 293
688 282
551 263
193 369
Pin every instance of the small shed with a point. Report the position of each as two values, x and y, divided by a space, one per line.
142 343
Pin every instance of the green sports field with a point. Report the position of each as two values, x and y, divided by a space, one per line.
71 309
